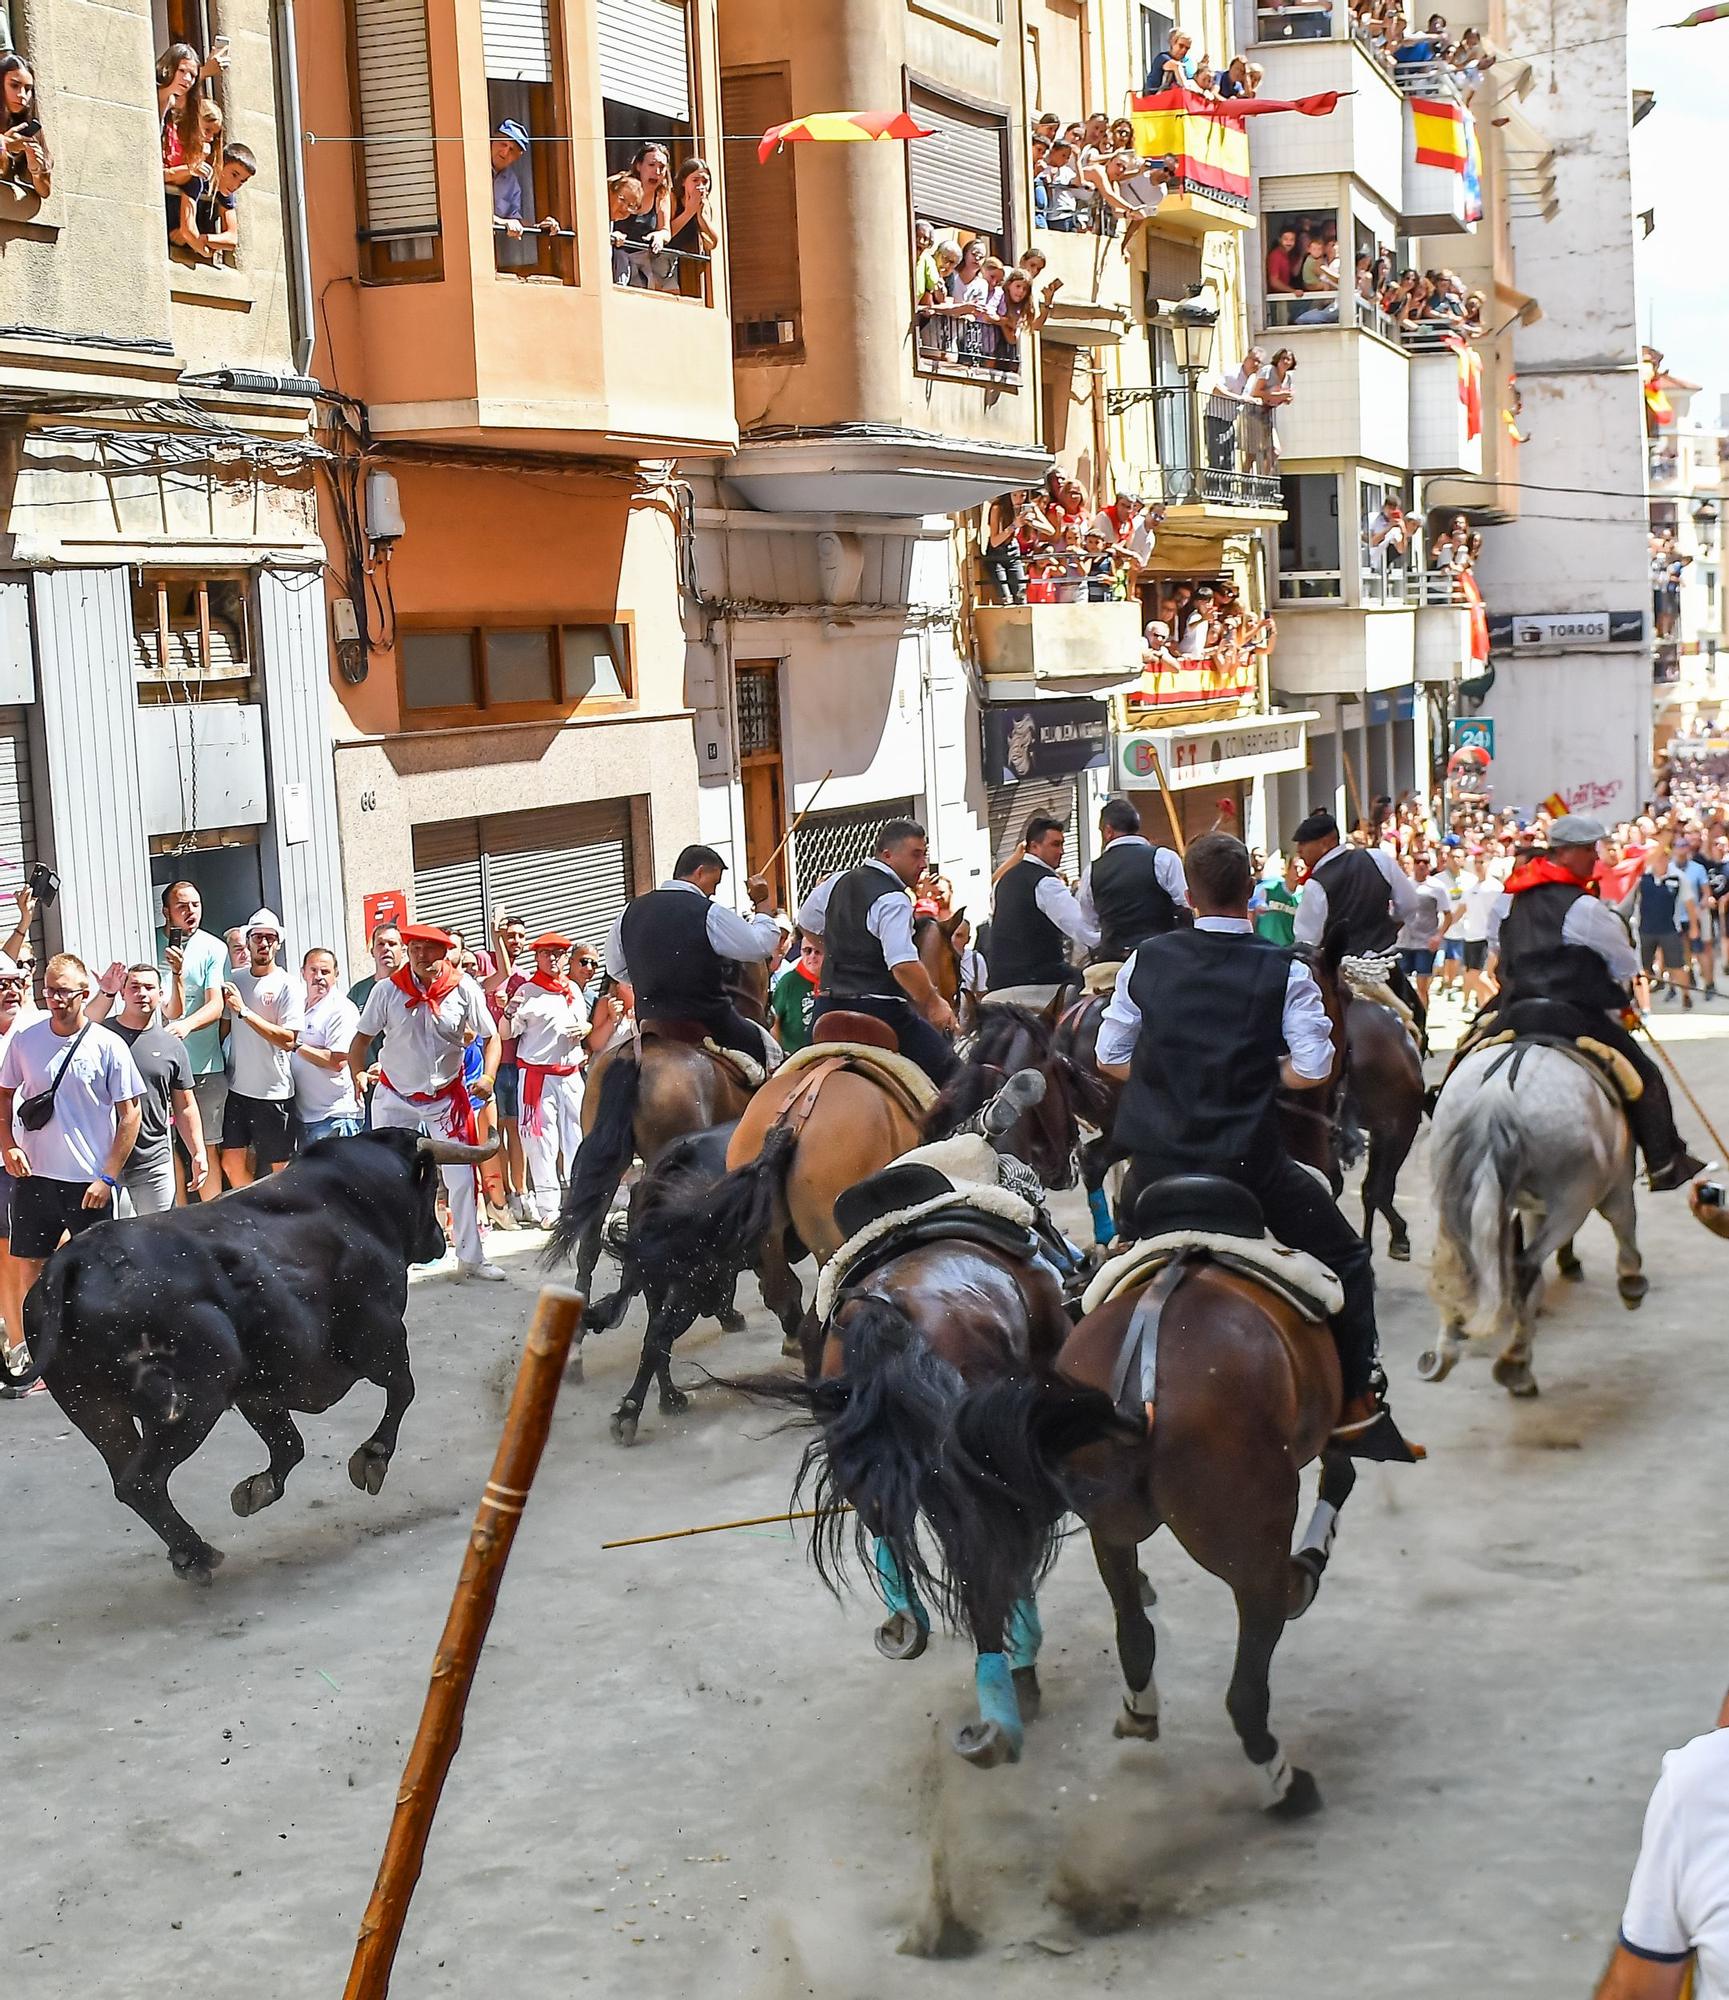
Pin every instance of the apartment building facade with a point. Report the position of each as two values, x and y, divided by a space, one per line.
1689 653
163 687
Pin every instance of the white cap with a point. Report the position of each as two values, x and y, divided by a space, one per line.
264 920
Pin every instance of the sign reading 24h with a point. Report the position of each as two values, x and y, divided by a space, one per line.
1475 732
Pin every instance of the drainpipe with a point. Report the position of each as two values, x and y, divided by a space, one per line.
302 316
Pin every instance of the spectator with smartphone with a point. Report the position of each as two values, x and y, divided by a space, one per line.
26 166
191 1010
266 1014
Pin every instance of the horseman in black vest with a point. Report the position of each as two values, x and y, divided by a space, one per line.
670 949
1565 961
1363 888
1134 890
1204 1026
1035 914
870 960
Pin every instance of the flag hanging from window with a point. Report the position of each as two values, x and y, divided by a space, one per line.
1207 140
1473 171
1657 404
1439 127
1470 381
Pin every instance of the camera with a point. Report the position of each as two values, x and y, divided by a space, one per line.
1713 1194
44 884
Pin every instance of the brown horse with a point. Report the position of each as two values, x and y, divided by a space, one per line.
1245 1395
1384 1101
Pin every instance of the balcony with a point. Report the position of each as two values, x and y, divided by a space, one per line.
1342 650
1353 396
1093 307
1203 455
1446 410
1443 171
1443 648
1058 648
1364 136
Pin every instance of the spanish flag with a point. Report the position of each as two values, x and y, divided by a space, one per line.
1470 382
1479 617
1555 806
1439 127
1657 403
1207 139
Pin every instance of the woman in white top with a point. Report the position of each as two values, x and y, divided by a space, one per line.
548 1017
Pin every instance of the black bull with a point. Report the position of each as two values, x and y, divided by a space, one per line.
279 1297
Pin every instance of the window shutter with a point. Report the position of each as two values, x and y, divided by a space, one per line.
957 176
1317 194
518 40
398 159
1172 266
567 868
447 885
761 212
645 56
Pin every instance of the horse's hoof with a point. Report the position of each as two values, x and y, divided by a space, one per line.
673 1402
253 1495
1302 1799
623 1426
902 1637
1435 1364
197 1565
1515 1377
1149 1596
1633 1290
1573 1271
732 1322
573 1367
1141 1728
1029 1698
368 1466
616 1230
986 1744
1399 1249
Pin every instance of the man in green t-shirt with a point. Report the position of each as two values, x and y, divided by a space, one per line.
192 1008
1275 906
795 995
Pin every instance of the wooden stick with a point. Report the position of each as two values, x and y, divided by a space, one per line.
1170 804
526 1424
718 1528
796 818
1681 1085
1351 780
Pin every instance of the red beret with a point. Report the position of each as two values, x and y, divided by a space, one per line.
426 934
550 941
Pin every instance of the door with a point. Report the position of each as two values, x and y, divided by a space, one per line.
756 692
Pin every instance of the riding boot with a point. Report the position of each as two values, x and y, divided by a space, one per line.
1668 1164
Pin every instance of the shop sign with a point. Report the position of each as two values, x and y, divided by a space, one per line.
1206 756
1045 739
1552 631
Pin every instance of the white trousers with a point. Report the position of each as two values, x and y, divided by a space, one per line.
559 1129
389 1110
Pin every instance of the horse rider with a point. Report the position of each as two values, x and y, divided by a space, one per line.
1203 1027
1365 889
1559 944
1034 914
670 948
425 1016
871 964
1133 890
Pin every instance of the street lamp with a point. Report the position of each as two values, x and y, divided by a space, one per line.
1194 327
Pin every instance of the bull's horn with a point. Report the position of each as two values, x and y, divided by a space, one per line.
453 1153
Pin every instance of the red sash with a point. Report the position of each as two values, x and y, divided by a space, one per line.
534 1077
455 1093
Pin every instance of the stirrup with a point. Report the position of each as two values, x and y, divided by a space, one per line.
1377 1437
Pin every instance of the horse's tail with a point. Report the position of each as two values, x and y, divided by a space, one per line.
1479 1165
998 1504
601 1158
708 1231
884 1423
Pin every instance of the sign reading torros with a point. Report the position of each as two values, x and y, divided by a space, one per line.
1045 739
1205 754
1536 631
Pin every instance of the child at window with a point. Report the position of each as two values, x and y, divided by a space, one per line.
218 215
202 163
623 200
1101 568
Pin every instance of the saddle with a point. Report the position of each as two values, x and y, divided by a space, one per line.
1102 976
899 1075
693 1034
1607 1066
945 1192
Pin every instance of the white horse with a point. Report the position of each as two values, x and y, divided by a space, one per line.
1527 1142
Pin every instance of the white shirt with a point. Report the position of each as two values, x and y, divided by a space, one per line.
1678 1900
256 1067
1057 901
733 936
975 978
549 1026
889 919
1477 902
326 1093
1167 868
1312 910
75 1143
423 1047
1588 922
1308 1032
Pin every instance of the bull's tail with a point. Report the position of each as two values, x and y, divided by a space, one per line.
601 1158
44 1313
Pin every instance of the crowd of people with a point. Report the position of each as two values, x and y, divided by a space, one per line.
1304 276
203 170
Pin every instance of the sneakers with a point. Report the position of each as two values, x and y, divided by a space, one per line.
519 1207
1674 1173
17 1361
485 1273
501 1218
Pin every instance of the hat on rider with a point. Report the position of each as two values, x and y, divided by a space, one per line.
1319 825
1577 830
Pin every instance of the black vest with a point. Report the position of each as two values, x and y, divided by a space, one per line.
1027 949
673 967
1358 896
1205 1071
1538 964
1132 903
852 958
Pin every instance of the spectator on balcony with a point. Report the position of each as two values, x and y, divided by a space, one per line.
179 71
1272 388
26 166
623 200
646 233
1123 138
1126 526
936 315
216 218
1206 82
1283 264
1015 311
1235 81
969 295
1000 554
1431 46
1046 126
692 234
1033 262
1103 566
1061 178
1156 655
1319 275
1095 138
509 149
1175 69
200 163
1237 382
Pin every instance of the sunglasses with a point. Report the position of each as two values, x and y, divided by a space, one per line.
589 964
14 985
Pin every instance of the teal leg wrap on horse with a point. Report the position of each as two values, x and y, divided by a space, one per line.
1026 1634
997 1699
896 1594
1104 1225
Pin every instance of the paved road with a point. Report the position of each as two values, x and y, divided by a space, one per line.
686 1770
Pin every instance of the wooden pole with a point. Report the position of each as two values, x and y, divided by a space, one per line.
718 1528
526 1425
1170 803
796 818
1681 1085
1351 780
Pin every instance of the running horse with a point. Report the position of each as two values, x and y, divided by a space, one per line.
1384 1105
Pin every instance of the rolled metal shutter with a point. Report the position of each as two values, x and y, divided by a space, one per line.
645 55
957 176
830 841
1010 807
518 40
566 868
398 159
448 889
1316 194
17 807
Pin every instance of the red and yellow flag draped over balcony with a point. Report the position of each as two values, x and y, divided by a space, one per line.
1440 127
1208 140
1470 381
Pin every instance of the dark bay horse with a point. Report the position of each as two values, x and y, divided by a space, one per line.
1383 1102
1246 1394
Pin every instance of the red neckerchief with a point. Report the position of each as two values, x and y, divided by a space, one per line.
445 981
549 982
1533 874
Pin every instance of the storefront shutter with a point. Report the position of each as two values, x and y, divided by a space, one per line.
957 176
761 214
828 842
1011 806
448 890
17 809
518 40
567 868
398 159
645 55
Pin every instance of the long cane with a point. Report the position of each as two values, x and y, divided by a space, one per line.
1170 805
526 1425
797 818
1681 1085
